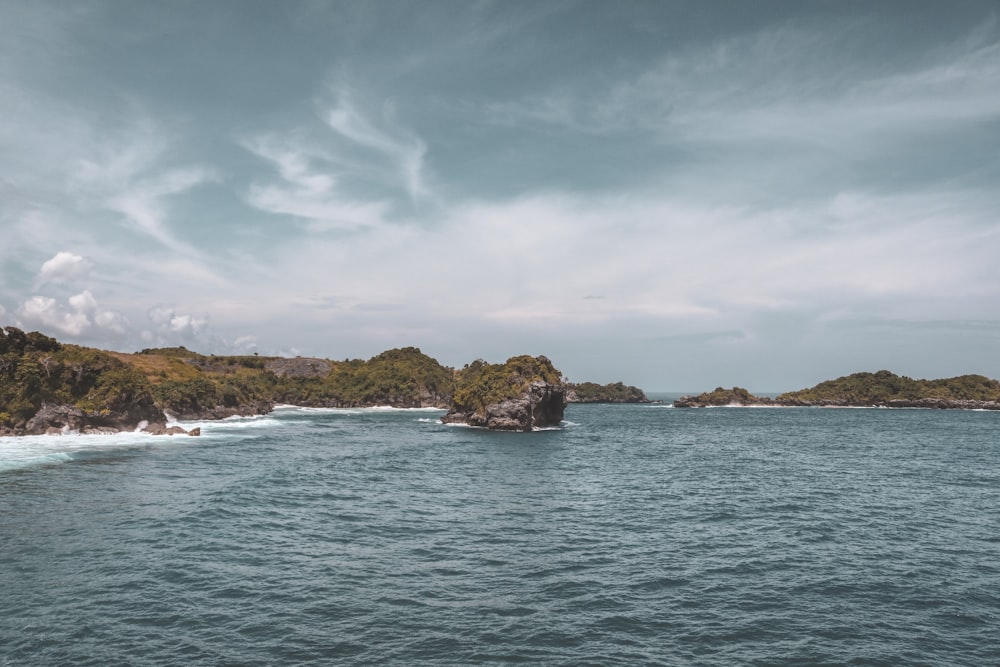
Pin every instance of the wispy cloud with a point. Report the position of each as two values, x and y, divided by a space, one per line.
143 203
382 135
306 192
356 171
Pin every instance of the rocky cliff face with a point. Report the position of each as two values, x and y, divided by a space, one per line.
541 405
57 418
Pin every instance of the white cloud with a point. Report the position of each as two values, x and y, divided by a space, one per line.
83 302
245 343
170 326
46 313
81 316
64 267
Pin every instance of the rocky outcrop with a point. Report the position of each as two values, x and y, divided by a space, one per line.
53 419
737 396
540 405
56 419
248 409
160 428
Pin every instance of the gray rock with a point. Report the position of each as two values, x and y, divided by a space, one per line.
541 405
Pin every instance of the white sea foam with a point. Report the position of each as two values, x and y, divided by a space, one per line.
210 426
351 411
33 450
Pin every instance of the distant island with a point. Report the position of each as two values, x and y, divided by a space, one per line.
50 387
863 390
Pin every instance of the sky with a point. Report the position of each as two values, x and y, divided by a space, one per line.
677 195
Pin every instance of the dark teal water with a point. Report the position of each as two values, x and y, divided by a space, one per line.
635 535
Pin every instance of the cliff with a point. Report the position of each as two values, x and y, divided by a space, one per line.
46 386
523 394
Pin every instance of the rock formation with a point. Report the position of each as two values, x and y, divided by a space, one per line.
523 394
540 405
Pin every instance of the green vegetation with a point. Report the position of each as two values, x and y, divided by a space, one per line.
721 396
883 386
616 392
197 383
481 383
403 377
36 369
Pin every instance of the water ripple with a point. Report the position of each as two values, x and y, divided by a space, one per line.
638 536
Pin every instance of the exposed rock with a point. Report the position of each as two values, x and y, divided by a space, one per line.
541 405
737 396
160 428
55 419
249 409
299 367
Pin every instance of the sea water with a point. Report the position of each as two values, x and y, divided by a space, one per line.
633 535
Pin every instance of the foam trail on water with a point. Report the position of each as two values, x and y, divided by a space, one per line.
32 450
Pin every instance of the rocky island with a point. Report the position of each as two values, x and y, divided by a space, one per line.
523 394
616 392
881 389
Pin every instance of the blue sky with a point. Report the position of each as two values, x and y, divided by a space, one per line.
677 195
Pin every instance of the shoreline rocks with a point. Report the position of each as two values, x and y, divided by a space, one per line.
57 419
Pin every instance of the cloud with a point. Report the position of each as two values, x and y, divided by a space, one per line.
80 316
357 176
142 203
64 267
170 326
382 135
306 192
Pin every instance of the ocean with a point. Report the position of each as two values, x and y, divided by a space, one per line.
633 535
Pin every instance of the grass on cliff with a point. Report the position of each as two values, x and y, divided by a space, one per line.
481 383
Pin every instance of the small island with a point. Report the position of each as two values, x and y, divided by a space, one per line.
882 389
523 394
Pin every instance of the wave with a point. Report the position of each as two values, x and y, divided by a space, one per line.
27 451
350 411
210 426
